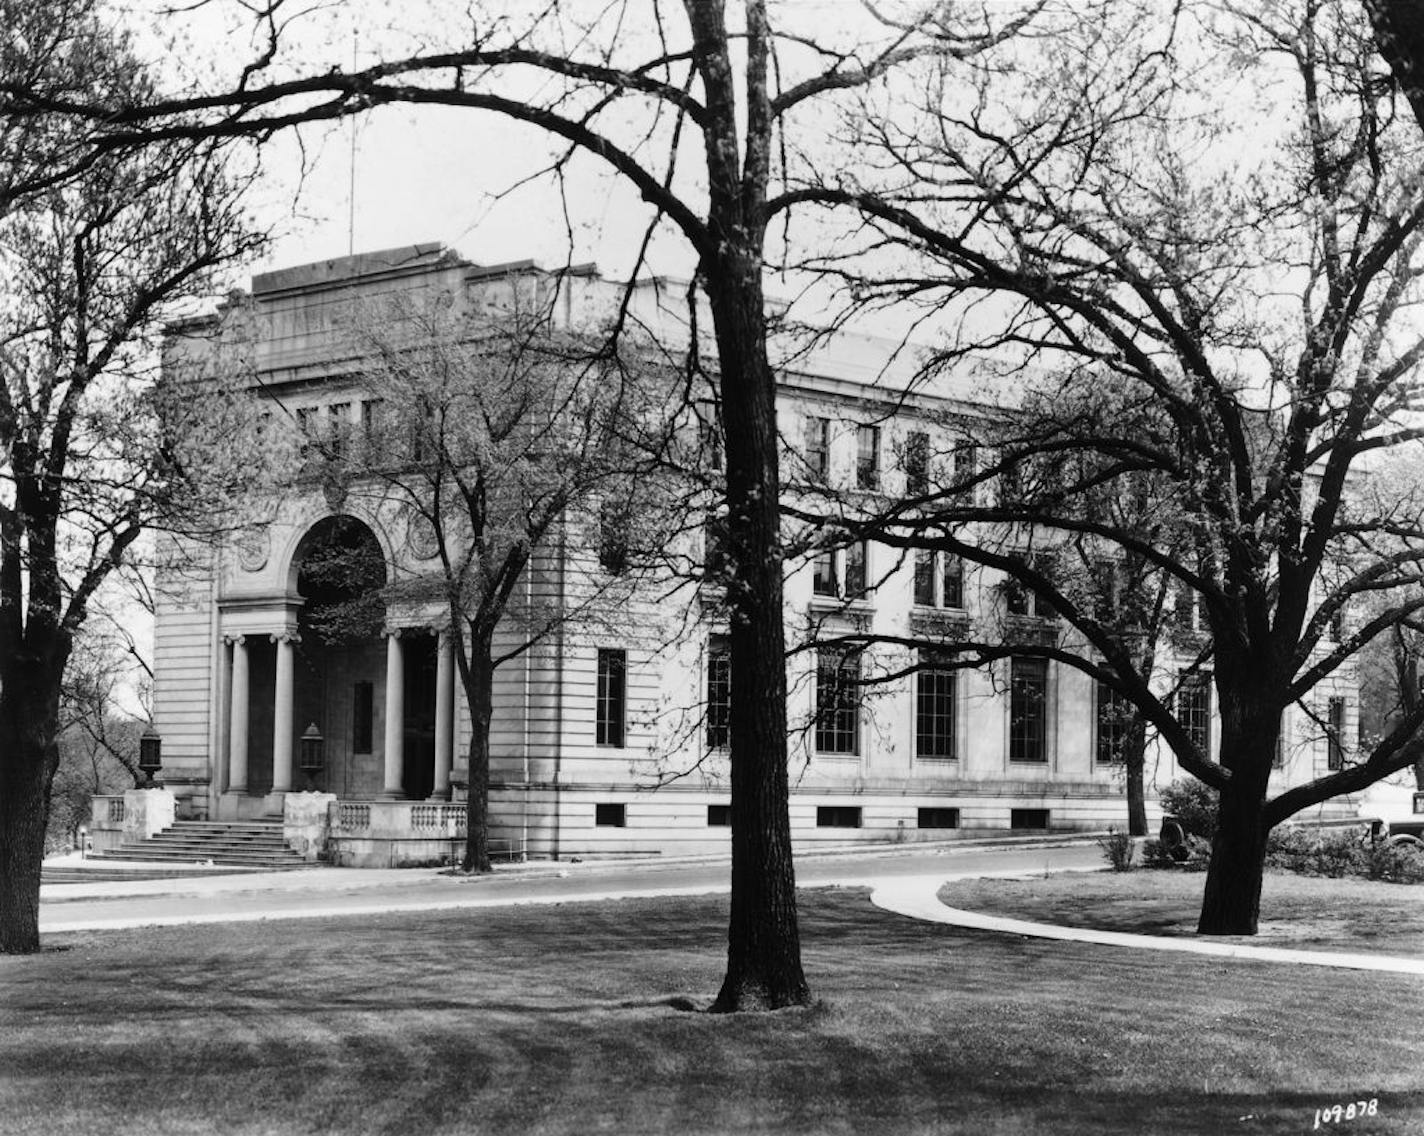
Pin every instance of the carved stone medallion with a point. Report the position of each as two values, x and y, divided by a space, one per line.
420 536
254 545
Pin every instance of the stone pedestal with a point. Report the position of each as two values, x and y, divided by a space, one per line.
304 822
147 811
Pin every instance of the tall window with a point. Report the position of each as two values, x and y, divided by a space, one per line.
719 694
362 701
939 579
1194 710
612 697
924 577
613 537
837 701
966 463
422 431
372 414
856 569
338 429
1335 734
917 463
818 445
867 457
1028 709
842 572
1114 715
1186 609
714 550
307 427
1336 630
1020 599
709 437
1011 483
1105 591
951 579
935 686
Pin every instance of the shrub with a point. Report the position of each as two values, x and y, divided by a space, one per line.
1193 803
1396 863
1198 853
1118 848
1191 856
1340 853
1155 855
1288 846
1334 853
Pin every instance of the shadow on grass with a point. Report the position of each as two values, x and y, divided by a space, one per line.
586 1018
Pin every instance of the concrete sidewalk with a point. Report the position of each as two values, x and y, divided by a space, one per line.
919 899
200 880
365 892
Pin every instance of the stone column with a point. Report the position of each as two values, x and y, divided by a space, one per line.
444 713
282 714
237 719
395 714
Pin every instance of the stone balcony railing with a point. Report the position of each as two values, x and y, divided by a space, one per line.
397 820
391 834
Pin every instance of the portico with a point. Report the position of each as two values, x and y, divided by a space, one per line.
326 653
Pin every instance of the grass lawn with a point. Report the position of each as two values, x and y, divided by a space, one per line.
572 1019
1304 912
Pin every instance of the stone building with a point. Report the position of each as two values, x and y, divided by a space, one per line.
609 737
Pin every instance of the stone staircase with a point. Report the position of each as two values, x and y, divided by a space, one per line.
254 844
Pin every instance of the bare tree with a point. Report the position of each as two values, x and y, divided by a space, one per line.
752 94
508 441
1251 320
91 454
98 738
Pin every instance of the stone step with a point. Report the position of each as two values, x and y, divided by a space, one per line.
217 826
223 833
139 853
77 875
244 844
198 848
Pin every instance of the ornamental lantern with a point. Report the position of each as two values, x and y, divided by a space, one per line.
311 751
150 757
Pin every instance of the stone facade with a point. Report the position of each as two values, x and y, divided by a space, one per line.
237 680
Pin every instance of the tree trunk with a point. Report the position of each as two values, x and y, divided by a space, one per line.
479 696
763 942
29 756
1231 904
1135 761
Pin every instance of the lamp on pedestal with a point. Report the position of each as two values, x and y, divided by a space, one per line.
150 757
312 744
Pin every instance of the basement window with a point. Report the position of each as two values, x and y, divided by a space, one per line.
611 816
938 817
1032 819
838 816
719 816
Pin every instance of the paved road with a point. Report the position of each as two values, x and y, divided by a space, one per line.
334 892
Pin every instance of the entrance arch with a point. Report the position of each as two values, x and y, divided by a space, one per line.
339 570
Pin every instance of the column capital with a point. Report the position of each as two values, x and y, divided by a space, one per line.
234 640
285 637
392 632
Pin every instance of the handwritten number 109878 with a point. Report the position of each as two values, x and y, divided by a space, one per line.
1351 1111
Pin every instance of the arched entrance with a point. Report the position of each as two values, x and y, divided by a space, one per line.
340 676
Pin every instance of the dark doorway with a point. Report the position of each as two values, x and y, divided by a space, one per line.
341 574
418 773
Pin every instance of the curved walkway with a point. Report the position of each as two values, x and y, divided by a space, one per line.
918 897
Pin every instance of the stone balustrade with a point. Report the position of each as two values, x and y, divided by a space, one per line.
392 834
